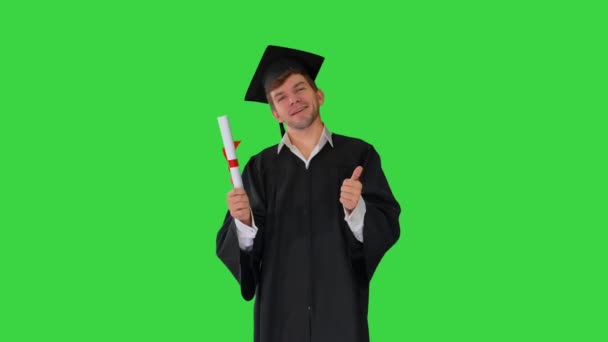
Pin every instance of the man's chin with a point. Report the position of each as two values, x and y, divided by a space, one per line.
299 125
302 122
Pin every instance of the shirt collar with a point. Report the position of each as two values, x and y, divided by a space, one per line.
325 137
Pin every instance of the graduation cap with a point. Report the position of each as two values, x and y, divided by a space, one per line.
275 61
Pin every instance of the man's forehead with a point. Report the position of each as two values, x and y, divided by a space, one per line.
291 82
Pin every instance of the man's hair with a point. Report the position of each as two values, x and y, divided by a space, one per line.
277 82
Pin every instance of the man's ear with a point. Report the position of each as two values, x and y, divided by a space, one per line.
276 115
320 96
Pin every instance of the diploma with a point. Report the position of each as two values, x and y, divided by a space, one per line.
233 162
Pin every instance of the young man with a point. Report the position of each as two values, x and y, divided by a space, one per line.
314 219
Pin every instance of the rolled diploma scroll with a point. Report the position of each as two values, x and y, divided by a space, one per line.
230 151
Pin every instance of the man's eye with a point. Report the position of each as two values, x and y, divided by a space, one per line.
280 98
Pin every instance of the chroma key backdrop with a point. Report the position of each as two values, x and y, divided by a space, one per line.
489 118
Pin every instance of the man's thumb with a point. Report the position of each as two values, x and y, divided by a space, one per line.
357 173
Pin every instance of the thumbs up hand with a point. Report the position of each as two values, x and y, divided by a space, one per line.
350 192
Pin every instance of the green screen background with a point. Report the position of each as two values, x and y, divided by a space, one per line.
489 118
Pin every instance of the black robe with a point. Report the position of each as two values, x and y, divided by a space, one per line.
309 274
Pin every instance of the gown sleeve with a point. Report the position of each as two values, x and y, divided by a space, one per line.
245 265
381 222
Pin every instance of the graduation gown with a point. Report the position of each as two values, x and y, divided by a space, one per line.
309 275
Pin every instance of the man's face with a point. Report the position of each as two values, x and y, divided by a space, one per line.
296 103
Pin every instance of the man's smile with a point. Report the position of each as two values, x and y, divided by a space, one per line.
298 111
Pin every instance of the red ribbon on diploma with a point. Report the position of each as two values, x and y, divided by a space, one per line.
232 162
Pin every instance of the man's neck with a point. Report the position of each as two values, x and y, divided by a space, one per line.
306 139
